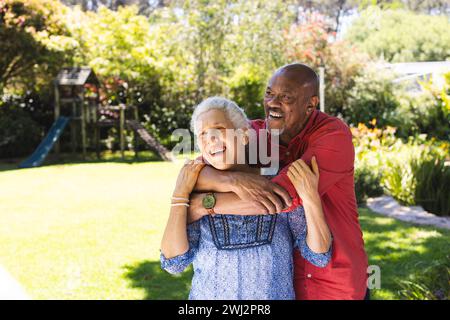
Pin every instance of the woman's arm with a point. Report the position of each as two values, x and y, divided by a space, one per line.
175 238
305 181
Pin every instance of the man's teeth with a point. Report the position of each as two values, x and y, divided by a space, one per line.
274 114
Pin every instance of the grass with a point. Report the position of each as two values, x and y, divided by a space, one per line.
92 231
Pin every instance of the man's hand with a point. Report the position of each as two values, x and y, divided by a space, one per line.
264 194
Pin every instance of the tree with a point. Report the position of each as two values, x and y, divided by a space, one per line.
35 42
145 7
310 42
401 36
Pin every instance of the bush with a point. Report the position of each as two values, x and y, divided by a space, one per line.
35 43
247 89
367 184
432 282
413 172
400 35
427 112
19 133
371 97
432 186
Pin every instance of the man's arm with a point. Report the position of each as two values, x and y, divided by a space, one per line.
260 193
226 202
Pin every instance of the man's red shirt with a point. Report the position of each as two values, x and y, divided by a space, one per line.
330 141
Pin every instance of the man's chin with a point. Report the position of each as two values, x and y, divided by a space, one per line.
275 124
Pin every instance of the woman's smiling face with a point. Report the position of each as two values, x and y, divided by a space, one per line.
221 144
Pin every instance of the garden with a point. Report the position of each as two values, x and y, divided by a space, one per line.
87 224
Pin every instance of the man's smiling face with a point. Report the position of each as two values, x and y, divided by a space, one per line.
286 105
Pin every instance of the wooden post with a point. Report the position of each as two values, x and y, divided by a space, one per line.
57 112
83 124
136 140
73 129
322 88
96 124
121 130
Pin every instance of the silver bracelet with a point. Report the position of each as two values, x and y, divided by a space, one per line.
177 198
180 204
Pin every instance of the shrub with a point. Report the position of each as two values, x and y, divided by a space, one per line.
371 97
427 112
401 35
367 184
35 43
413 172
247 89
432 185
432 282
19 133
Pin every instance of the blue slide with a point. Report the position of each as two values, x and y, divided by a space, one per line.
46 145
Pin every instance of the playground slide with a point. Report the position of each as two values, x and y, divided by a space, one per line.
151 142
46 145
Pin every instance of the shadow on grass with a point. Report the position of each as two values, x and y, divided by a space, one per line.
157 283
401 250
68 158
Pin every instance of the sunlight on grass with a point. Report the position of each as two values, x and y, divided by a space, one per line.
68 231
398 248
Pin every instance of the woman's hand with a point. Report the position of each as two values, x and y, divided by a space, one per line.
305 180
187 178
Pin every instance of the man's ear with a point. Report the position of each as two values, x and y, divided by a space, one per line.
313 103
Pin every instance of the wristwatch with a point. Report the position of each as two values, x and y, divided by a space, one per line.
209 201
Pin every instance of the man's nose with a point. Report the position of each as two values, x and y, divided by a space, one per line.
274 102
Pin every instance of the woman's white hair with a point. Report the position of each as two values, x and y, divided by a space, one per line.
234 113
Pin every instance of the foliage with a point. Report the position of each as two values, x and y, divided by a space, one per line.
371 97
433 185
432 282
367 184
35 42
19 133
413 172
246 88
389 34
311 43
427 111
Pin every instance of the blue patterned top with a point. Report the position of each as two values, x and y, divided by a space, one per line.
245 257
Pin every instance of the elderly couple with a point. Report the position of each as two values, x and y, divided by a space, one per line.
294 236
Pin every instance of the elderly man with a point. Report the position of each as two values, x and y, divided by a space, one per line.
290 105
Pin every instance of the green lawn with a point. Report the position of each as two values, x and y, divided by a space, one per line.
92 231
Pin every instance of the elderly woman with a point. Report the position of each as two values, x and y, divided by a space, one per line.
239 256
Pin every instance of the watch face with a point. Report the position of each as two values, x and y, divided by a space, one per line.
209 201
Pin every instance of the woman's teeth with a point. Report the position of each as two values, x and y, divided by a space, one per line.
213 153
276 115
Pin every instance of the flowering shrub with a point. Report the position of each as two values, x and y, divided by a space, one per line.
413 172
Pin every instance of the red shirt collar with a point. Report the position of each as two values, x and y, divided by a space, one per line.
306 129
